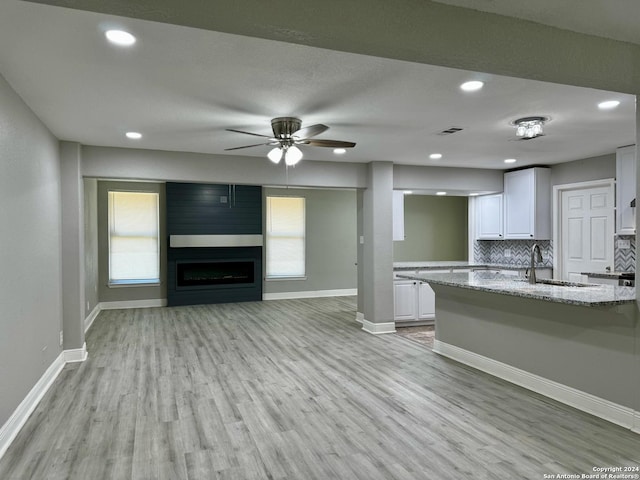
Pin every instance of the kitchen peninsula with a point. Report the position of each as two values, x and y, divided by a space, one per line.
577 344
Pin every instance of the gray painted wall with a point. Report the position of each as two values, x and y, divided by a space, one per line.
90 244
118 294
584 170
436 228
331 223
30 293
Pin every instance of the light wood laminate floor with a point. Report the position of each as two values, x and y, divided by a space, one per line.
292 389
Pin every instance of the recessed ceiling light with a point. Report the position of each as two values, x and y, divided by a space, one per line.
472 86
134 135
473 194
510 160
435 156
608 105
339 151
407 192
441 193
120 37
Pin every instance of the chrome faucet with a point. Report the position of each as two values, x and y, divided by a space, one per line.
534 258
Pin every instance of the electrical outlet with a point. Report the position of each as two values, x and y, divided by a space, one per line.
61 337
361 239
624 244
507 252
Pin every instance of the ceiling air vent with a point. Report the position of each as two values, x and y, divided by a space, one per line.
450 130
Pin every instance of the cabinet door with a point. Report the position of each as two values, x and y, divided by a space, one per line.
426 301
625 190
489 217
404 300
519 200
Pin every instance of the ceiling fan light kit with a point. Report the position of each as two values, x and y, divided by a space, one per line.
288 133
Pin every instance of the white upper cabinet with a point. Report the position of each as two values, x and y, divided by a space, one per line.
489 215
398 215
625 190
527 204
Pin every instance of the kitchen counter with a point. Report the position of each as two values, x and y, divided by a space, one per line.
458 265
590 296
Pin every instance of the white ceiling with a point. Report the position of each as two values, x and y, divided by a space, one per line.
181 87
617 19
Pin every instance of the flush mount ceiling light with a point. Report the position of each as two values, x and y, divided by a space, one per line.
530 127
435 156
441 193
472 86
608 105
339 151
120 37
510 160
133 135
473 194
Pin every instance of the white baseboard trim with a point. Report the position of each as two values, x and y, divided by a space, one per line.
76 354
18 418
359 317
344 292
378 328
88 321
599 407
156 302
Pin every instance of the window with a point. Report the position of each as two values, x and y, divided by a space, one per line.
285 237
134 249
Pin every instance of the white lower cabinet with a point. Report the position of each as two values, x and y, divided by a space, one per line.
414 301
426 302
404 300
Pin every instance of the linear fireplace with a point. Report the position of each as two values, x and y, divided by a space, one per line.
221 272
214 275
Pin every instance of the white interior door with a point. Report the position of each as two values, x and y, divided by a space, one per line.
587 229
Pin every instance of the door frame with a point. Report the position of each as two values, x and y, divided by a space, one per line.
557 216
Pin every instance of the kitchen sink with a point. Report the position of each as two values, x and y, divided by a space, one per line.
559 283
562 283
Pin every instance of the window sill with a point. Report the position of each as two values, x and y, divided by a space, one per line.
283 279
134 283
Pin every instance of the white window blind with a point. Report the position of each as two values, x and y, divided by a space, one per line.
285 237
134 251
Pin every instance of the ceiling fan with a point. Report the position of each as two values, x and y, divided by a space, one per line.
287 135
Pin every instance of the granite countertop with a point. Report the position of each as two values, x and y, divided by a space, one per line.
613 275
459 264
590 296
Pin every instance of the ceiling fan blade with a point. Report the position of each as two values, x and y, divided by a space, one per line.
248 133
249 146
310 131
328 143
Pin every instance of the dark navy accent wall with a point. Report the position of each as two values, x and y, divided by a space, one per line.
205 209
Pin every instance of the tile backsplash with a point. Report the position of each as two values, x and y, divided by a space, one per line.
625 258
494 251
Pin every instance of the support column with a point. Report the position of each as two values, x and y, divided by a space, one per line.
375 285
72 202
636 423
